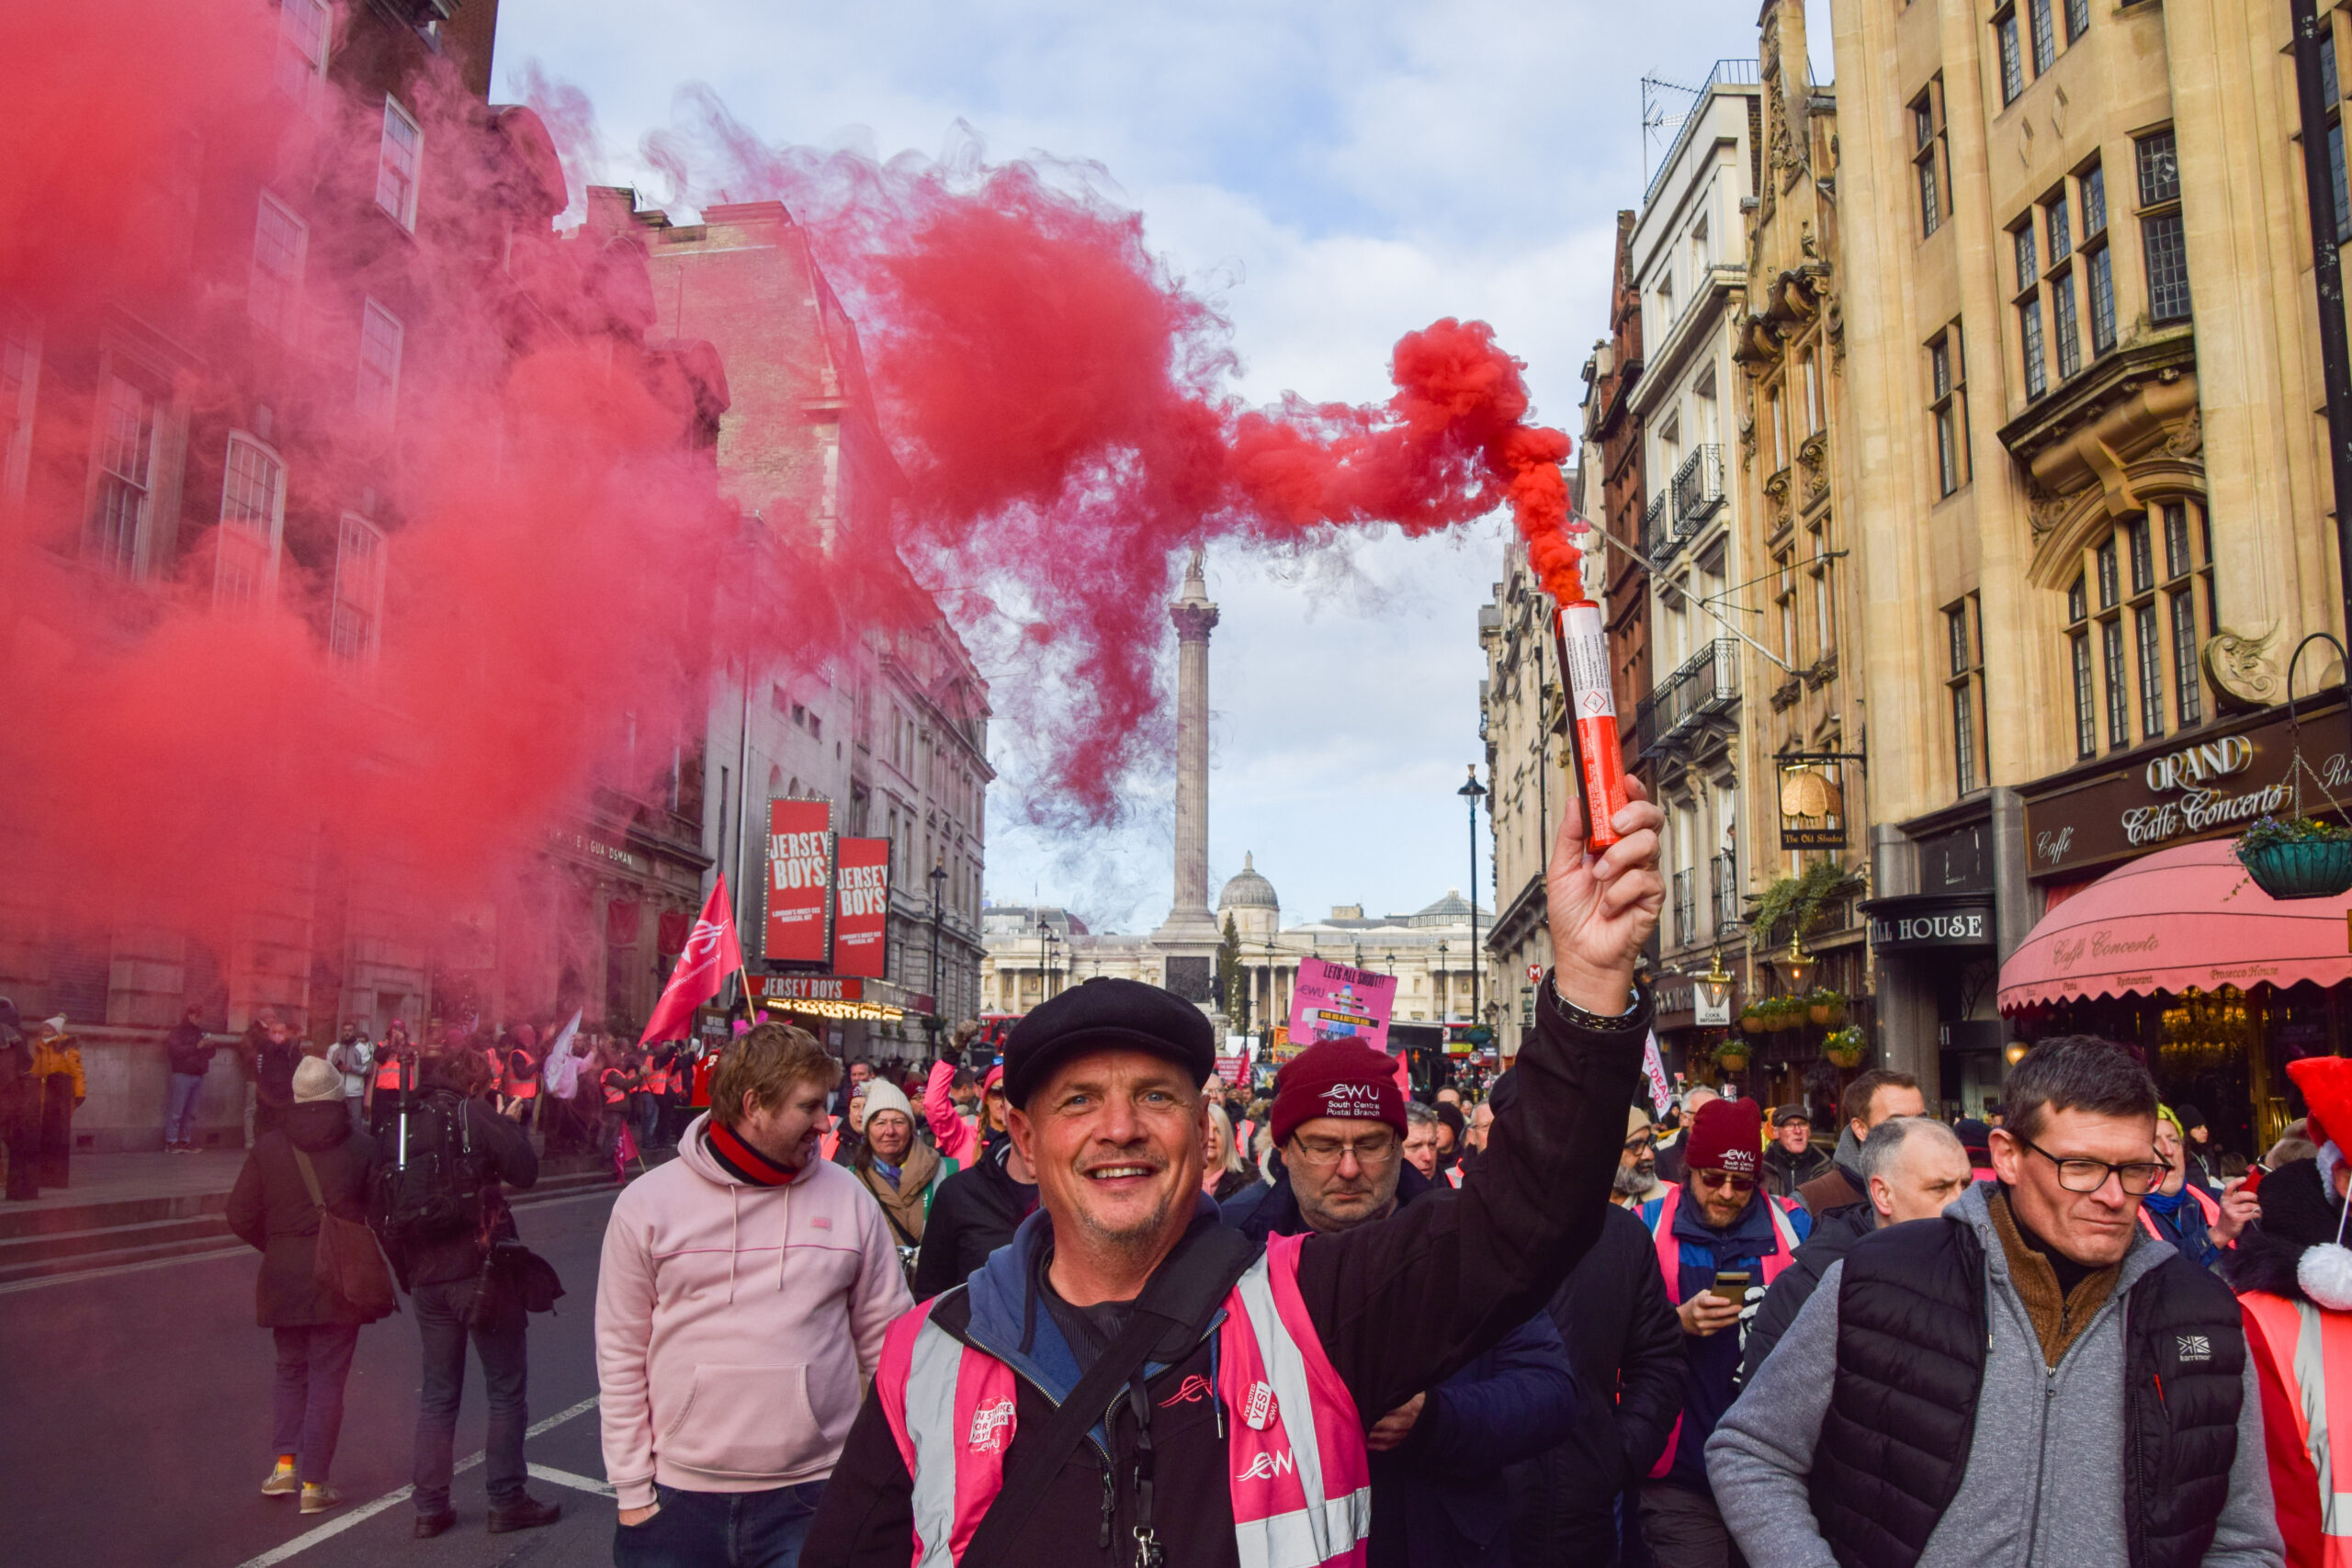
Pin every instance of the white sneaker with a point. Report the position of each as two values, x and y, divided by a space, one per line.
318 1498
281 1482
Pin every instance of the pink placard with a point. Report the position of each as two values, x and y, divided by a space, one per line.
1333 1001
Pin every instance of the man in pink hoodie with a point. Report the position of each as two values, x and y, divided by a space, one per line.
741 1306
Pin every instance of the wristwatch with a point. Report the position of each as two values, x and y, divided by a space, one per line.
1586 1019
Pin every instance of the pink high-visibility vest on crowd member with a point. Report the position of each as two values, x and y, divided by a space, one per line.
1300 1498
2212 1211
2297 1344
1669 1262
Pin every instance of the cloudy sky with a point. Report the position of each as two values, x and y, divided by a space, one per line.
1333 173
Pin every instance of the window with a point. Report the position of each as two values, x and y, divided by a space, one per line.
396 162
274 291
352 627
1964 634
2061 229
2029 270
2078 19
2098 267
2045 35
1825 597
2037 374
2004 38
380 362
2146 576
2063 321
1787 600
252 517
1949 409
2162 241
2093 183
126 449
1812 391
2331 99
1928 156
302 31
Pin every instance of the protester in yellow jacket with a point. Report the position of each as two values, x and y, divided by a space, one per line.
61 1088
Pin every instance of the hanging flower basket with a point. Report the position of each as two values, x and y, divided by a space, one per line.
1845 1048
1826 1007
1751 1020
1731 1056
2298 858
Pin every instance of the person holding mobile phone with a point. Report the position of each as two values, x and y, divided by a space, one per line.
1721 1240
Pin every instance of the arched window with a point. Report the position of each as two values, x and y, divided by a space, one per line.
2133 628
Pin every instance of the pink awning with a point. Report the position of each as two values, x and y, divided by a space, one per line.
2183 916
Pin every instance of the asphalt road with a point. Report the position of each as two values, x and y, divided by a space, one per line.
134 1425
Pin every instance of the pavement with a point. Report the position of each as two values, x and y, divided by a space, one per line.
137 1410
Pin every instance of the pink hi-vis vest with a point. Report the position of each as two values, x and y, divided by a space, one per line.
1299 1473
2204 1202
1669 1262
2306 1348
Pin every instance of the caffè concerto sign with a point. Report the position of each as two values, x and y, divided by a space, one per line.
2201 788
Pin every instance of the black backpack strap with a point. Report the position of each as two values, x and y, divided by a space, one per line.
1179 1301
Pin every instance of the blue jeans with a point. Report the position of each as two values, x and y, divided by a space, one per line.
505 1373
720 1529
307 1413
179 1113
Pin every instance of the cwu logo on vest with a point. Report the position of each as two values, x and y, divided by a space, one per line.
1267 1466
992 1427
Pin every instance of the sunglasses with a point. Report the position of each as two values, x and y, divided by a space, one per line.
1723 1179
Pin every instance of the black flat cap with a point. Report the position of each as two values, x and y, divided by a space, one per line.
1107 1014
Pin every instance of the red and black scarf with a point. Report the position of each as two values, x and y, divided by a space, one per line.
742 1161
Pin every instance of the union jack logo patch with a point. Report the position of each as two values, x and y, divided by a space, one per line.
2192 1348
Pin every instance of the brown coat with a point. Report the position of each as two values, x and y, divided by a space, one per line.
909 1201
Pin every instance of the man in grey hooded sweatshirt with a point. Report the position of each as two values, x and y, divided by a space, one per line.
2029 1380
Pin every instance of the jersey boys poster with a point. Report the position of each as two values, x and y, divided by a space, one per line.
799 927
861 905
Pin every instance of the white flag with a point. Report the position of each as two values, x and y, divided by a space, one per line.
1655 1066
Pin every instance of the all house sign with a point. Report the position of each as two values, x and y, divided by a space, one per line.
2199 785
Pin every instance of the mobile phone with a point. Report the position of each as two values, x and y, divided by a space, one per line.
1731 1285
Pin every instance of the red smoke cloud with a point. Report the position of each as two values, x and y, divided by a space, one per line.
565 587
1059 400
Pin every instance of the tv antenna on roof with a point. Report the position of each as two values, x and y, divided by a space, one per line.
1660 127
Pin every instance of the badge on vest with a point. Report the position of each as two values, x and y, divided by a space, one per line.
993 1427
2189 1348
1257 1409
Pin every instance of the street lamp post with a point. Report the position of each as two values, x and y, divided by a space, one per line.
1472 793
938 877
1437 983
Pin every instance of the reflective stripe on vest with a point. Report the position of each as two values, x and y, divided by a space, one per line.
2312 1352
1301 1499
1669 1263
2204 1201
388 1073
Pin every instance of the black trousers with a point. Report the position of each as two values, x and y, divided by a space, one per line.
56 1129
500 1342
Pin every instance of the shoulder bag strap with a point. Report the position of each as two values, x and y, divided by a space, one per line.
1031 1473
310 1178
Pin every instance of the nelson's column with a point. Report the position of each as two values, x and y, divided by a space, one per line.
1188 937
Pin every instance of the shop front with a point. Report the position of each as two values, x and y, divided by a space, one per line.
844 1011
2153 933
1939 946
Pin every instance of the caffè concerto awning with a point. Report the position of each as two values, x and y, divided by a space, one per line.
2182 917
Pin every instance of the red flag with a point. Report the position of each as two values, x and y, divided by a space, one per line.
713 952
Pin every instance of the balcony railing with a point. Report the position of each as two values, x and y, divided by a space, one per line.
1705 686
1722 886
1657 531
1686 919
1698 489
1738 71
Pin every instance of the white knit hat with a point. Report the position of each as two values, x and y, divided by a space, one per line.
882 1095
315 1081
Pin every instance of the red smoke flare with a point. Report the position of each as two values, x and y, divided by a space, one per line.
564 588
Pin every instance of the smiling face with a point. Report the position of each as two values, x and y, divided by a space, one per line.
787 1132
1117 1139
890 1135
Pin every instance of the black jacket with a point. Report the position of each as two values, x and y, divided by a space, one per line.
270 1209
1785 1172
185 1050
505 1156
1441 1499
1626 1347
1398 1306
1834 1231
973 1212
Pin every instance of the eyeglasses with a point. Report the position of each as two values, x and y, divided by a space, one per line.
1641 1142
2079 1173
1723 1179
1371 1153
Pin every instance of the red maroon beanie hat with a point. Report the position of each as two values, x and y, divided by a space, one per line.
1344 1079
1727 1135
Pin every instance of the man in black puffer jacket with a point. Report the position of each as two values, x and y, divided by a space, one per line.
2030 1379
316 1330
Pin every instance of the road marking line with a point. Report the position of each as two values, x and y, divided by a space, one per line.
237 1249
366 1511
555 1477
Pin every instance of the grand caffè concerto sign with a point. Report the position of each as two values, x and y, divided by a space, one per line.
2218 783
